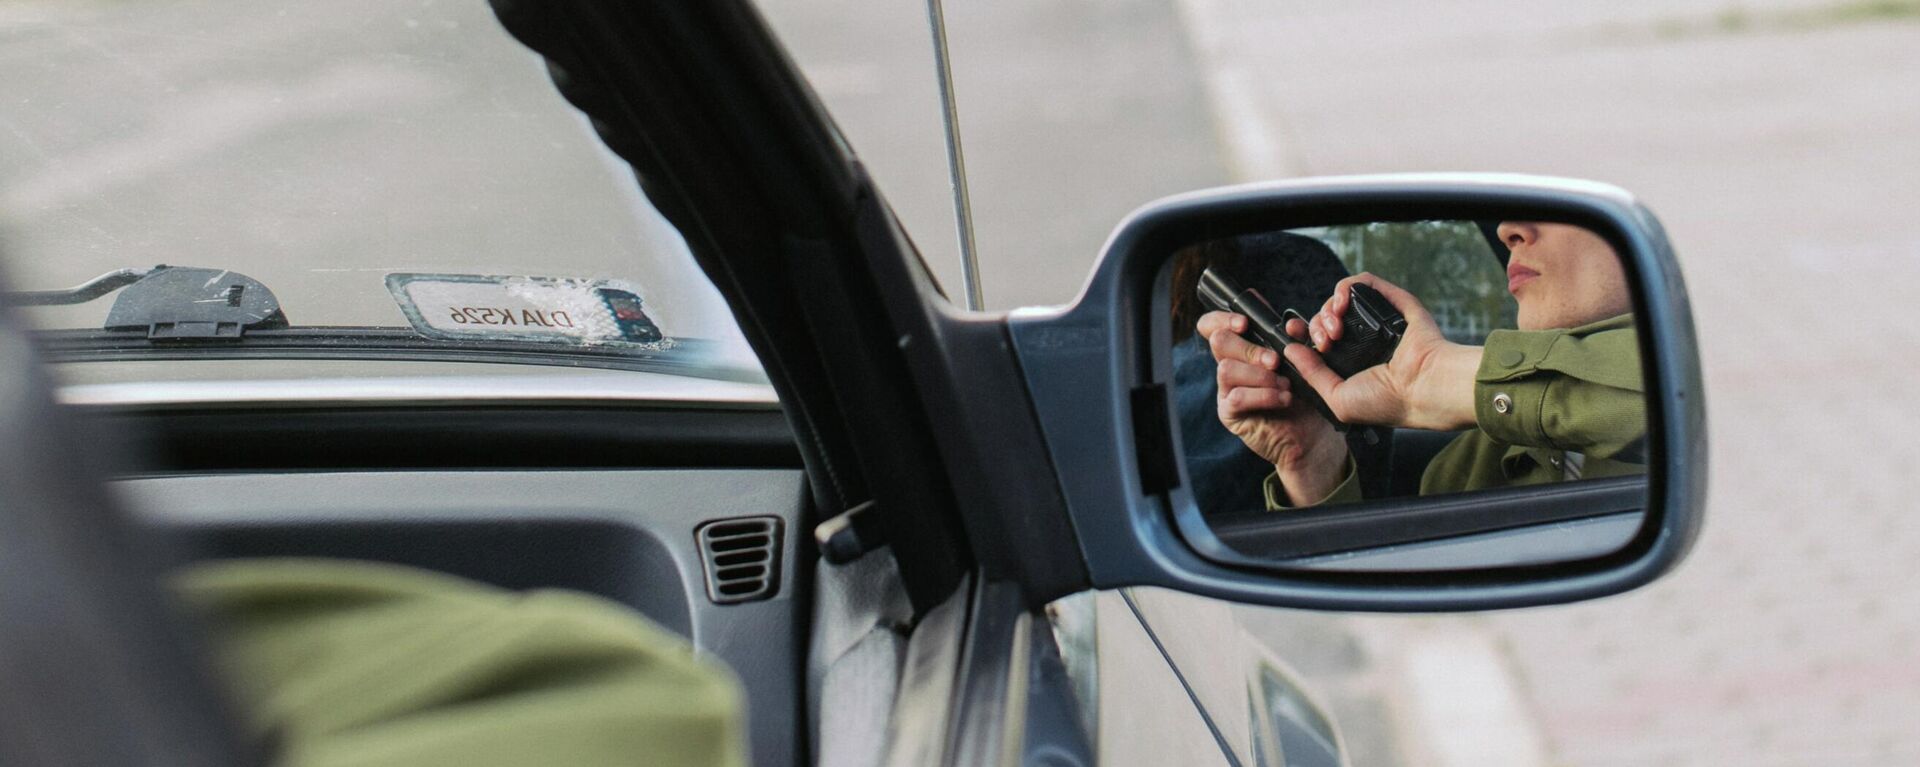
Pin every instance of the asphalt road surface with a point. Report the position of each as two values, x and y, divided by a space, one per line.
1778 141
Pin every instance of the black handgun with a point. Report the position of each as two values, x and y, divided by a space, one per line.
1371 330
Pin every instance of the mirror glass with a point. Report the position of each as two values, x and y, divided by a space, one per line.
1409 395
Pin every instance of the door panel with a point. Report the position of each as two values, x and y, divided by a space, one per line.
1146 715
1204 641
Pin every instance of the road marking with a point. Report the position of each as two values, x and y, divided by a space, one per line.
1255 144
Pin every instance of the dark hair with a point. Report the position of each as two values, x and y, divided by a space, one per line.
1290 270
1188 263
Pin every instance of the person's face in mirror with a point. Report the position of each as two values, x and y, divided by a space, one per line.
1562 276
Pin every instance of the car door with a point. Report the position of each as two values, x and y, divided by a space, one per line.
954 439
911 412
1253 703
913 415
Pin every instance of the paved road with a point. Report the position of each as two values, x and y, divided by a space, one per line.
1778 145
1073 114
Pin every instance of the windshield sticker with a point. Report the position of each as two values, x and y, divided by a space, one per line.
468 307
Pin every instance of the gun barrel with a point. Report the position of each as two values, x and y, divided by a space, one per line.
1217 290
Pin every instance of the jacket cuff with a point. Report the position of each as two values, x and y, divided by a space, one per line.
1513 412
1348 491
1509 400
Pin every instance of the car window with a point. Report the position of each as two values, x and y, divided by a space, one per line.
402 175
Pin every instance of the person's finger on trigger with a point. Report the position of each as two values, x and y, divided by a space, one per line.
1297 328
1317 375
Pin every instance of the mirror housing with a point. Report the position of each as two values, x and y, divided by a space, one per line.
1105 411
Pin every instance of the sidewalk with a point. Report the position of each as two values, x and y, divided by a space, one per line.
1779 151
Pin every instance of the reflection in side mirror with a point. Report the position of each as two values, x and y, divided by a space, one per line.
1410 394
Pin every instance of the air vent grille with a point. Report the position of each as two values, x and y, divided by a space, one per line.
742 557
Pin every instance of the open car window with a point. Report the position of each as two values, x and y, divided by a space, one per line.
398 181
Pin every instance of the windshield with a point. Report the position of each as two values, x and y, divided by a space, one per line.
397 179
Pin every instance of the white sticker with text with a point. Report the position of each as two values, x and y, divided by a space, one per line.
574 311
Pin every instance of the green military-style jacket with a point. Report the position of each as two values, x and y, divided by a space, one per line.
356 664
1550 405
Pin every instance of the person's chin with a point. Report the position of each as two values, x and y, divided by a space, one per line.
1523 319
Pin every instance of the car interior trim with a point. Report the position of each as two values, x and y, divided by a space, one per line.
624 535
476 437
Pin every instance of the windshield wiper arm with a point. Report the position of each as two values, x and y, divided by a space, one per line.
83 292
685 356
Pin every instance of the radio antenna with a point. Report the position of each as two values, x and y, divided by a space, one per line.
956 160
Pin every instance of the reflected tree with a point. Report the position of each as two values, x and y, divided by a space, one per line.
1448 264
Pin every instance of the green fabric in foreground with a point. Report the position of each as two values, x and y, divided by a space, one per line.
366 665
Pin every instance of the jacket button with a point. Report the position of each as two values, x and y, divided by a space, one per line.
1502 403
1512 358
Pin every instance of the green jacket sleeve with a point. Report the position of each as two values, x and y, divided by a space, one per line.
1348 491
365 665
1572 389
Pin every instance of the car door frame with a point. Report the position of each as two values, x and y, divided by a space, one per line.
896 396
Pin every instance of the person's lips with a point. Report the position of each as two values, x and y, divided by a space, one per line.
1518 275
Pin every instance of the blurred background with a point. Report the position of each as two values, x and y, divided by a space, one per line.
1778 140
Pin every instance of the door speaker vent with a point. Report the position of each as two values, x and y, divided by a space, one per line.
742 556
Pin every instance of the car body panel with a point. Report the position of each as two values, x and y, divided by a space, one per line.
1147 716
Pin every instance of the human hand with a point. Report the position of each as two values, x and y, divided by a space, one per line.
1427 384
1257 404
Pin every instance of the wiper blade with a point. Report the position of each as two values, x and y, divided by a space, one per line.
181 312
173 303
695 357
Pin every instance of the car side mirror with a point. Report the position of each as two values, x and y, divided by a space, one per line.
1397 393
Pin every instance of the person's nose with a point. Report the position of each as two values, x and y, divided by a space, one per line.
1515 234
